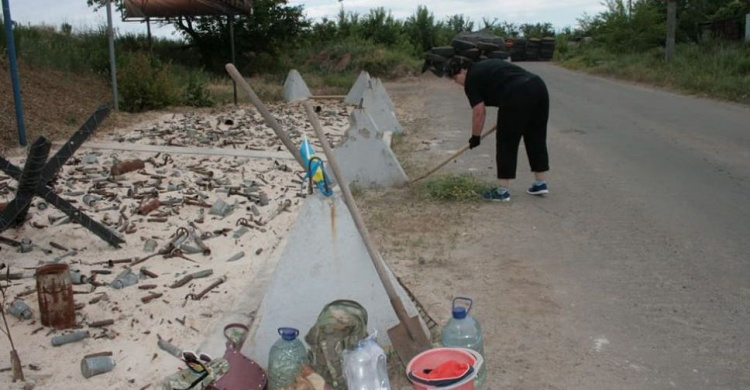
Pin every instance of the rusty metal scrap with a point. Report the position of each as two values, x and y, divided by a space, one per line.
124 167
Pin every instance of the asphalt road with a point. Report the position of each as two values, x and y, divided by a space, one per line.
645 237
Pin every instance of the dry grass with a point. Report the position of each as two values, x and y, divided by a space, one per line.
409 227
55 103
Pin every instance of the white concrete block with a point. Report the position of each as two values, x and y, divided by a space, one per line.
324 259
383 94
354 97
383 116
366 160
295 87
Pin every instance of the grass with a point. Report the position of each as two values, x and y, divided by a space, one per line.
452 188
716 69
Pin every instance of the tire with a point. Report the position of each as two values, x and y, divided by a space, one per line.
503 55
445 51
472 54
462 45
434 57
487 47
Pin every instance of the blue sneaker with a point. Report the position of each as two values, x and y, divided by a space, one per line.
495 195
538 189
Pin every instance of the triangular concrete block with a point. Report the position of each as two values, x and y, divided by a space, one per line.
354 97
365 159
378 109
295 87
363 119
325 259
383 94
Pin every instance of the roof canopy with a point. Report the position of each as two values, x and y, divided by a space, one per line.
161 9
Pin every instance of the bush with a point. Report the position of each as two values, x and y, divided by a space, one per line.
145 83
459 188
196 94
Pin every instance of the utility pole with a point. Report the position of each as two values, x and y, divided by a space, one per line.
671 28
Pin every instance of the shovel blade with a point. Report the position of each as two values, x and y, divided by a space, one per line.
407 347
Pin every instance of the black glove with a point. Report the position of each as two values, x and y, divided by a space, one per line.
474 141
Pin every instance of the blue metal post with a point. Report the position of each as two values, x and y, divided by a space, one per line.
14 72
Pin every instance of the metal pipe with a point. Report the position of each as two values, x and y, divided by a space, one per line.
14 72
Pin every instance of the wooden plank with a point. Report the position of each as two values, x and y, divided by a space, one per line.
190 150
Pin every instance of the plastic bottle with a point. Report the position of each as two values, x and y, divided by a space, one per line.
285 359
124 279
464 331
365 366
315 168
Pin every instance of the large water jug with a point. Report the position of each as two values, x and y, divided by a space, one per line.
365 366
285 359
464 331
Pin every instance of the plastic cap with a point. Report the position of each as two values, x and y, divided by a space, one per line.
459 312
288 334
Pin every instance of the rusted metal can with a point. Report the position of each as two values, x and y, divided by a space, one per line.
55 291
127 166
148 206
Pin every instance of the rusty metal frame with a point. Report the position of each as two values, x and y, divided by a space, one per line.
166 10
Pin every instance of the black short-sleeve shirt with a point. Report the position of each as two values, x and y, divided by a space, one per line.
490 81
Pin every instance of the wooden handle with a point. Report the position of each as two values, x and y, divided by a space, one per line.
449 159
270 120
398 306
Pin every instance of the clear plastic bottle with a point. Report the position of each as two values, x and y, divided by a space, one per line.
464 331
286 358
365 366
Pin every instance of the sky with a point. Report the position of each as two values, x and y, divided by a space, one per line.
560 13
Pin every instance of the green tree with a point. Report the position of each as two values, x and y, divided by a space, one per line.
274 27
537 30
422 29
379 26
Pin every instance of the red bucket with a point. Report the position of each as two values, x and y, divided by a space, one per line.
434 357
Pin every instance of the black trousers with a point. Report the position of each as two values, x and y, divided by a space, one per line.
523 115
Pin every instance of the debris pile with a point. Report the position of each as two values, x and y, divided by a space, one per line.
197 229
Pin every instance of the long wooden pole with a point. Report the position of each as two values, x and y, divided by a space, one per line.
270 120
449 159
398 306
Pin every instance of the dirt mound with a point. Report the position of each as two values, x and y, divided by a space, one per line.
55 103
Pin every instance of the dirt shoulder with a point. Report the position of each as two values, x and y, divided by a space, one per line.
441 250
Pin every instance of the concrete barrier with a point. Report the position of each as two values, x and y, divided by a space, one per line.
379 109
383 94
324 259
354 97
366 159
295 87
